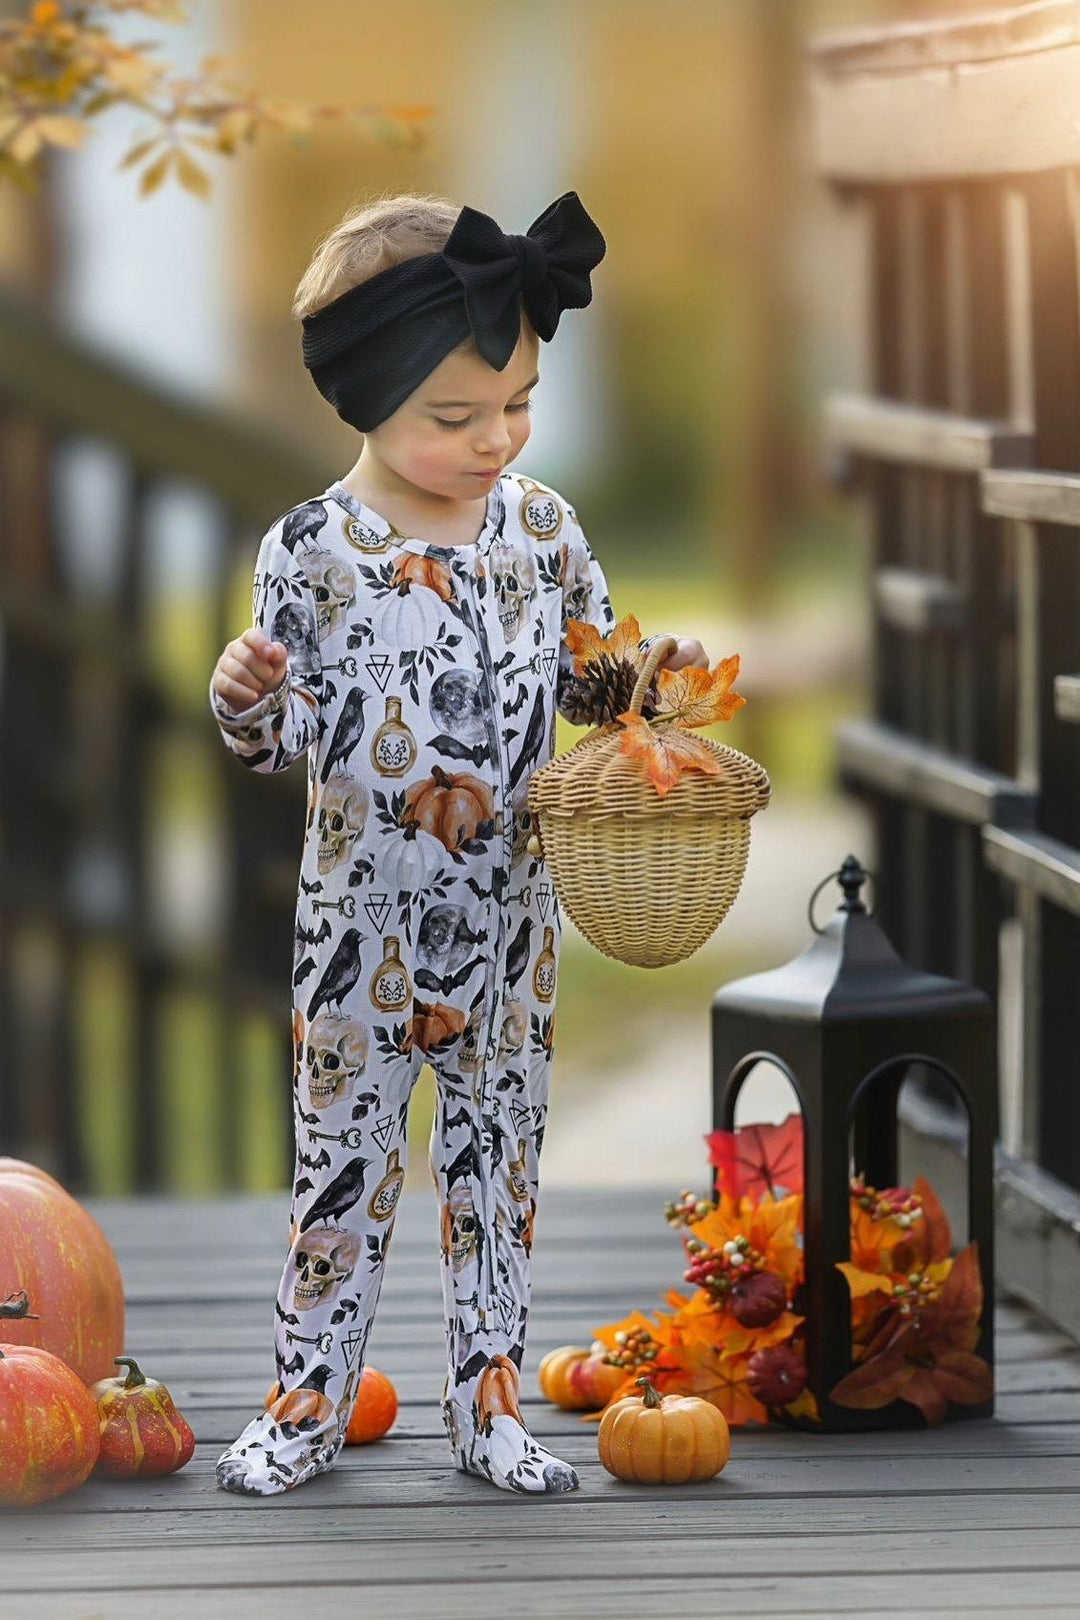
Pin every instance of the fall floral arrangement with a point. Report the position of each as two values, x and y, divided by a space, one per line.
737 1339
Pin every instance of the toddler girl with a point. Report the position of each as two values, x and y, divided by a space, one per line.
420 676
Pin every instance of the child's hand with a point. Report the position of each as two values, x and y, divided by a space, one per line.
689 651
249 668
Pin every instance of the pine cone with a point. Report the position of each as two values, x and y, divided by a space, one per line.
603 692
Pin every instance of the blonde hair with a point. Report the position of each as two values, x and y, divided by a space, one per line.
373 236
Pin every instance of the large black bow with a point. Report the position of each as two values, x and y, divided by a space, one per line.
548 267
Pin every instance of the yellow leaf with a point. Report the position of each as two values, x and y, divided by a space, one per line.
152 177
68 132
25 144
804 1405
864 1282
44 12
139 151
191 177
132 74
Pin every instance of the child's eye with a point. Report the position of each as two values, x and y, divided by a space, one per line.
465 419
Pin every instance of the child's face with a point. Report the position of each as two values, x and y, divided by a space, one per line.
440 446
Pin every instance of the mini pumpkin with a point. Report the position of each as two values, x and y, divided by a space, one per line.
374 1409
48 1421
578 1380
142 1433
655 1439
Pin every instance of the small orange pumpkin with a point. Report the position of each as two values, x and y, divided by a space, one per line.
48 1421
578 1380
142 1433
374 1409
656 1439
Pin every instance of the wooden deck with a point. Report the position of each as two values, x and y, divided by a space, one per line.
972 1519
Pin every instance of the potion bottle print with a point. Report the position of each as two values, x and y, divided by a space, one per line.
384 1199
393 747
543 978
390 987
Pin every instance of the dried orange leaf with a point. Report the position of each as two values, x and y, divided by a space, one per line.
587 644
664 753
699 697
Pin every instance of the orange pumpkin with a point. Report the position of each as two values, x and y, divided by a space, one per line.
578 1380
450 805
656 1439
374 1410
142 1433
48 1422
433 1025
427 571
497 1392
293 1405
53 1248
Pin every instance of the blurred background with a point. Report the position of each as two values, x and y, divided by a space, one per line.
157 418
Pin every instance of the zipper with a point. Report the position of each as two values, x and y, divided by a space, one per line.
494 741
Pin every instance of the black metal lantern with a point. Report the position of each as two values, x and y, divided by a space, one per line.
846 1021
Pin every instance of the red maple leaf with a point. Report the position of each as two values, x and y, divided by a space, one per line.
754 1160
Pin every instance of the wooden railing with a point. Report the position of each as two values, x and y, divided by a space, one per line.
956 142
102 736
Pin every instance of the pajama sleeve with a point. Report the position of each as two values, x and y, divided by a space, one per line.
585 596
281 725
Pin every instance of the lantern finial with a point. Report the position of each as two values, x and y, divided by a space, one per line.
852 877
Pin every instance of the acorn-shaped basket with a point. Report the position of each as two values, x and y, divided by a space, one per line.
646 878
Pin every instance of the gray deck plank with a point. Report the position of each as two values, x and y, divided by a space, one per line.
970 1518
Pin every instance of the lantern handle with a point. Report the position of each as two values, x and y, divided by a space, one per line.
852 876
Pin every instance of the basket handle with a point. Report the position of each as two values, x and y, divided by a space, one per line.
661 648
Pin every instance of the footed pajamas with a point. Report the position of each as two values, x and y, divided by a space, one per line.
422 684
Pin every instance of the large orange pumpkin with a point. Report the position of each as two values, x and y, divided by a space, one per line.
656 1439
55 1250
48 1426
578 1380
374 1409
142 1433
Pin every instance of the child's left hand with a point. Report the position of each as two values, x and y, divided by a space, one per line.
689 652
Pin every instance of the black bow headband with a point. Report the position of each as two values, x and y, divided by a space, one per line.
370 348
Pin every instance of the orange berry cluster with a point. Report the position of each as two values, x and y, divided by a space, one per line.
636 1348
891 1203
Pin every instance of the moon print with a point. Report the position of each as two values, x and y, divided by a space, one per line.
457 705
444 939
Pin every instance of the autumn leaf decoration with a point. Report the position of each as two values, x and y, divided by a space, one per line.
658 739
739 1340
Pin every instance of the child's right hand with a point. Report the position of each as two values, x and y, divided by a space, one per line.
249 668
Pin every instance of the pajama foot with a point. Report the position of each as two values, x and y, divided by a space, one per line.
272 1456
503 1451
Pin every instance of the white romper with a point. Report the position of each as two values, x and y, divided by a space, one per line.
422 684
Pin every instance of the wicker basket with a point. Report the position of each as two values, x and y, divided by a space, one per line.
647 879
